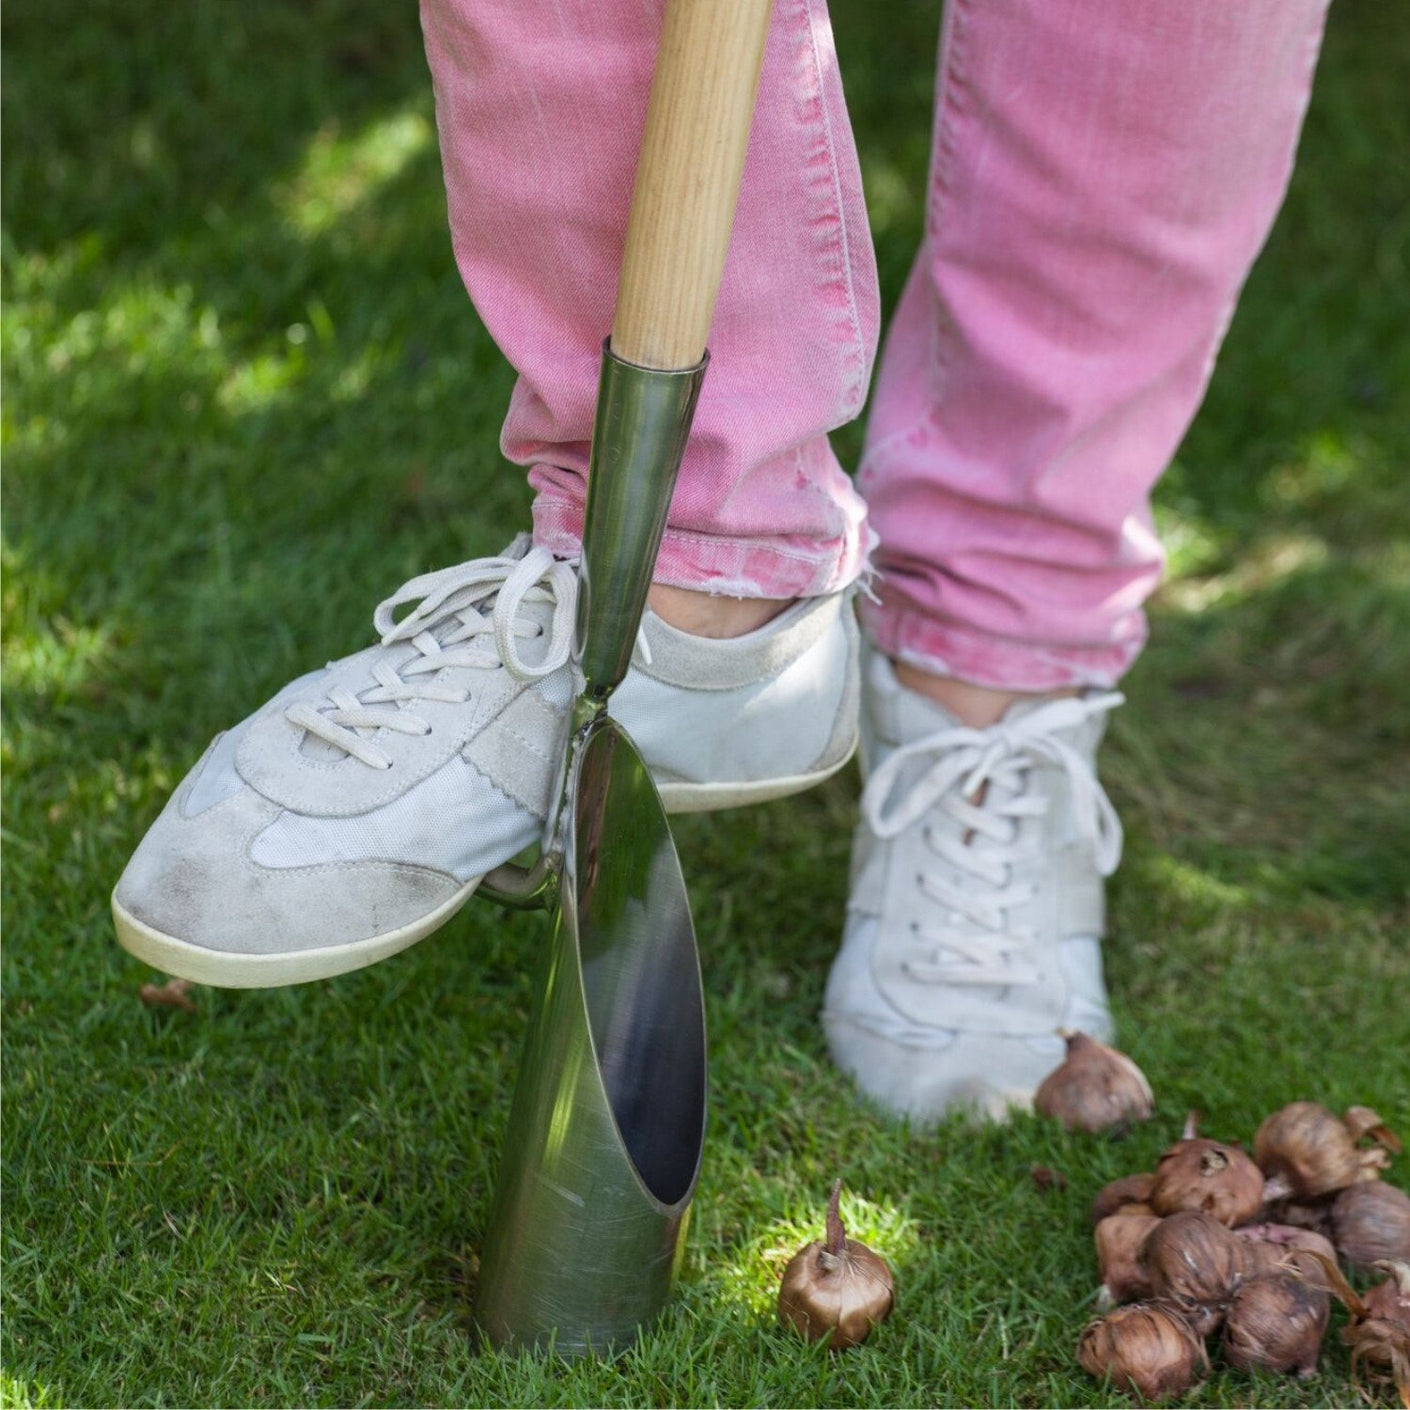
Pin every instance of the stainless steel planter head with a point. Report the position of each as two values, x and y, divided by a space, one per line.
607 1126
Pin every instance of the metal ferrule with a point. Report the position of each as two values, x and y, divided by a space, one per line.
638 439
607 1128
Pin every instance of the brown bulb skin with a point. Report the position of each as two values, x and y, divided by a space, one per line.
1364 1123
1195 1263
1378 1332
1119 1238
1389 1301
1316 1216
1371 1222
1144 1348
1278 1248
1114 1197
1217 1179
1093 1088
836 1287
1275 1323
1314 1152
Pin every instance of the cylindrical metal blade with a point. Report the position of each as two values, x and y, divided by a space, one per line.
607 1127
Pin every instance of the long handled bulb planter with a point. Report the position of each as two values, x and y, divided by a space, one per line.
607 1126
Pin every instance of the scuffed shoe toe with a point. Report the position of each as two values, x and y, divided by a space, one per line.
193 901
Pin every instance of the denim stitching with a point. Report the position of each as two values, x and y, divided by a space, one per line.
856 393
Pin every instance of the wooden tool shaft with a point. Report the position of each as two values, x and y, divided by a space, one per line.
687 179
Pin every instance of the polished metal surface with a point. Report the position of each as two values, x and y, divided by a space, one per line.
521 888
607 1127
639 436
638 439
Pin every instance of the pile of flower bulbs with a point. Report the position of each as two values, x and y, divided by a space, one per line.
1219 1247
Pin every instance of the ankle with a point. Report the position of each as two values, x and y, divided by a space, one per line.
977 706
709 615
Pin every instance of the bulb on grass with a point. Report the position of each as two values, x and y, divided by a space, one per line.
1275 1322
1383 1339
1119 1238
1362 1122
1371 1222
1118 1195
1379 1330
1144 1348
1195 1263
1281 1248
1314 1214
1200 1174
1094 1087
1390 1300
836 1286
1315 1153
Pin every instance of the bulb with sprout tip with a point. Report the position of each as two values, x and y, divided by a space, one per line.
835 1287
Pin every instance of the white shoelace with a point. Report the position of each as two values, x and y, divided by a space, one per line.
452 625
979 786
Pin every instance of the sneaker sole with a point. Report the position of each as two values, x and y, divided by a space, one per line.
228 969
233 969
714 797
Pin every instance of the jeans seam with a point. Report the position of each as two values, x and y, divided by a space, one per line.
856 391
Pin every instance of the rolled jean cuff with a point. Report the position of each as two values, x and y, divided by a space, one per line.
1001 663
731 567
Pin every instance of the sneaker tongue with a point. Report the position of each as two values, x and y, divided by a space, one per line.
916 716
1082 733
903 715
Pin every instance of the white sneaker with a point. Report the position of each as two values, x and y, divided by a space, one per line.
358 810
973 928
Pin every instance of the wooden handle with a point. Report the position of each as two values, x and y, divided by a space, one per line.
687 179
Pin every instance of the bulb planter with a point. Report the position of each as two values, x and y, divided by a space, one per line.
607 1126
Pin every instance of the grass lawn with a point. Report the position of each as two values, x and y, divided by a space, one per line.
246 398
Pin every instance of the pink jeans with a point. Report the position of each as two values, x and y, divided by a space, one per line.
1103 176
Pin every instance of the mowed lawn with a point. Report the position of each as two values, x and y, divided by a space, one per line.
245 398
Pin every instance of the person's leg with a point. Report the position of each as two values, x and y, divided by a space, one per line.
356 812
762 508
1102 179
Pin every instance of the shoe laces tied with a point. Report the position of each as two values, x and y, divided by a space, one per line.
975 796
465 616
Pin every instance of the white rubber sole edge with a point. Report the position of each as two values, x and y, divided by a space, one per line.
234 970
711 797
227 969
